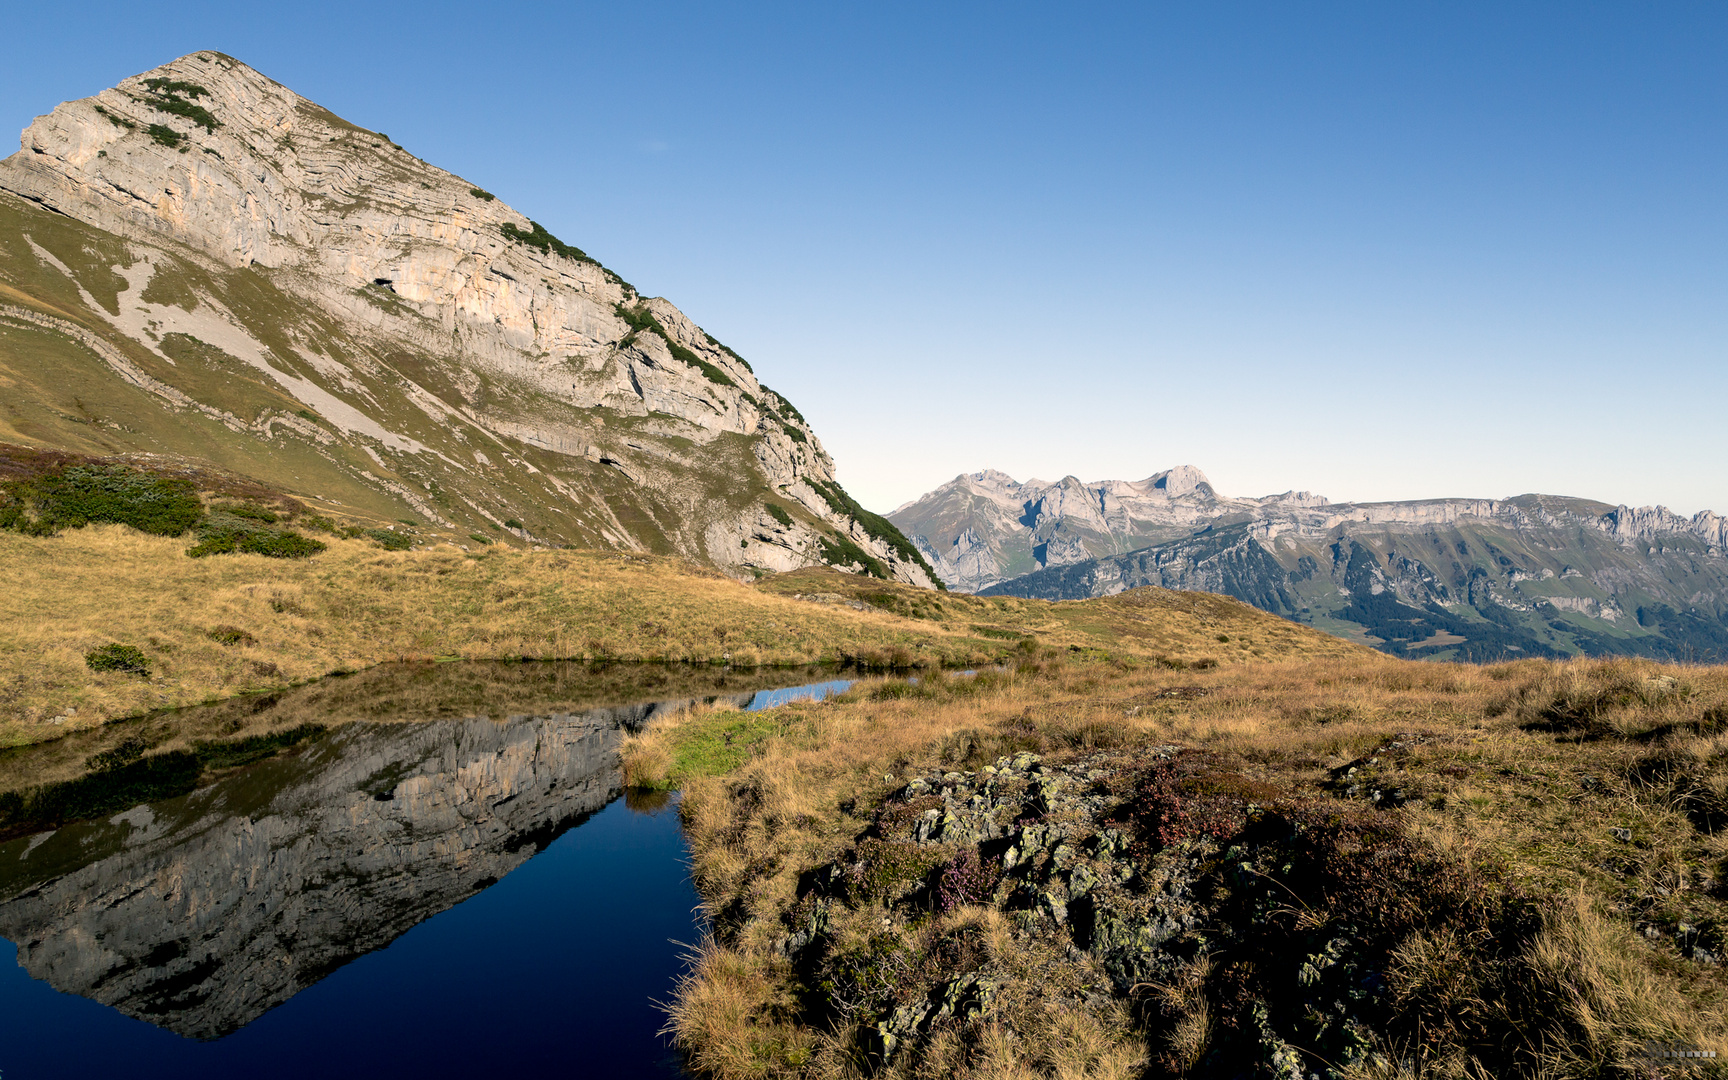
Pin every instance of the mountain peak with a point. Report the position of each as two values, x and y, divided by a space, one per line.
471 365
1174 483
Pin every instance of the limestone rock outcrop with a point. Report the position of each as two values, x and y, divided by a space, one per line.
426 340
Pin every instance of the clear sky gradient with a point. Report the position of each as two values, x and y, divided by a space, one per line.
1377 251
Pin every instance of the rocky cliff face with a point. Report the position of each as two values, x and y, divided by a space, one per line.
1449 578
201 913
983 528
285 283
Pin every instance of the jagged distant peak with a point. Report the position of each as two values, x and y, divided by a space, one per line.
1174 483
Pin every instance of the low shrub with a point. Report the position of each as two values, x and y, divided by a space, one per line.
778 513
390 540
841 551
537 237
117 121
163 135
877 526
128 659
226 535
123 753
483 196
512 523
80 495
230 635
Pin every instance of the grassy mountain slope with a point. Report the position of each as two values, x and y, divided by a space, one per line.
310 305
1468 590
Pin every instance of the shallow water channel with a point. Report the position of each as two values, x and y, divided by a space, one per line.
424 885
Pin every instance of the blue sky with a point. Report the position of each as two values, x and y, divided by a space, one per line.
1376 251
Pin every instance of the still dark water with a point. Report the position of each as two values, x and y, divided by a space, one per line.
455 897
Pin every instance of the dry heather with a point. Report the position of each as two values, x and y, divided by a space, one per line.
232 624
1387 869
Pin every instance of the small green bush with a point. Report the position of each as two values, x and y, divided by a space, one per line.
226 535
117 121
485 196
391 540
230 635
127 659
478 539
163 135
512 523
778 513
179 107
123 753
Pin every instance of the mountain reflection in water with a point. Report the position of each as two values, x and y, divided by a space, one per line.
200 913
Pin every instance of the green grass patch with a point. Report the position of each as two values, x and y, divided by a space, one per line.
716 743
127 659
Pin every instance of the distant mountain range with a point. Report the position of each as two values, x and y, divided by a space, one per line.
1477 579
202 264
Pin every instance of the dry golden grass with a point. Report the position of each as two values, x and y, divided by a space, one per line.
357 605
1597 788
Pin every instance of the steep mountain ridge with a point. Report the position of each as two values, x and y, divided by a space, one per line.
983 528
1444 578
201 262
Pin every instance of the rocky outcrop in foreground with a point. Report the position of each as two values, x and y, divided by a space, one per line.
1237 923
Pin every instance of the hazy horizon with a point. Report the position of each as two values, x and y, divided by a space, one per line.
1372 253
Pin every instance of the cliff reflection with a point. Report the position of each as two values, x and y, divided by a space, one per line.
201 912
